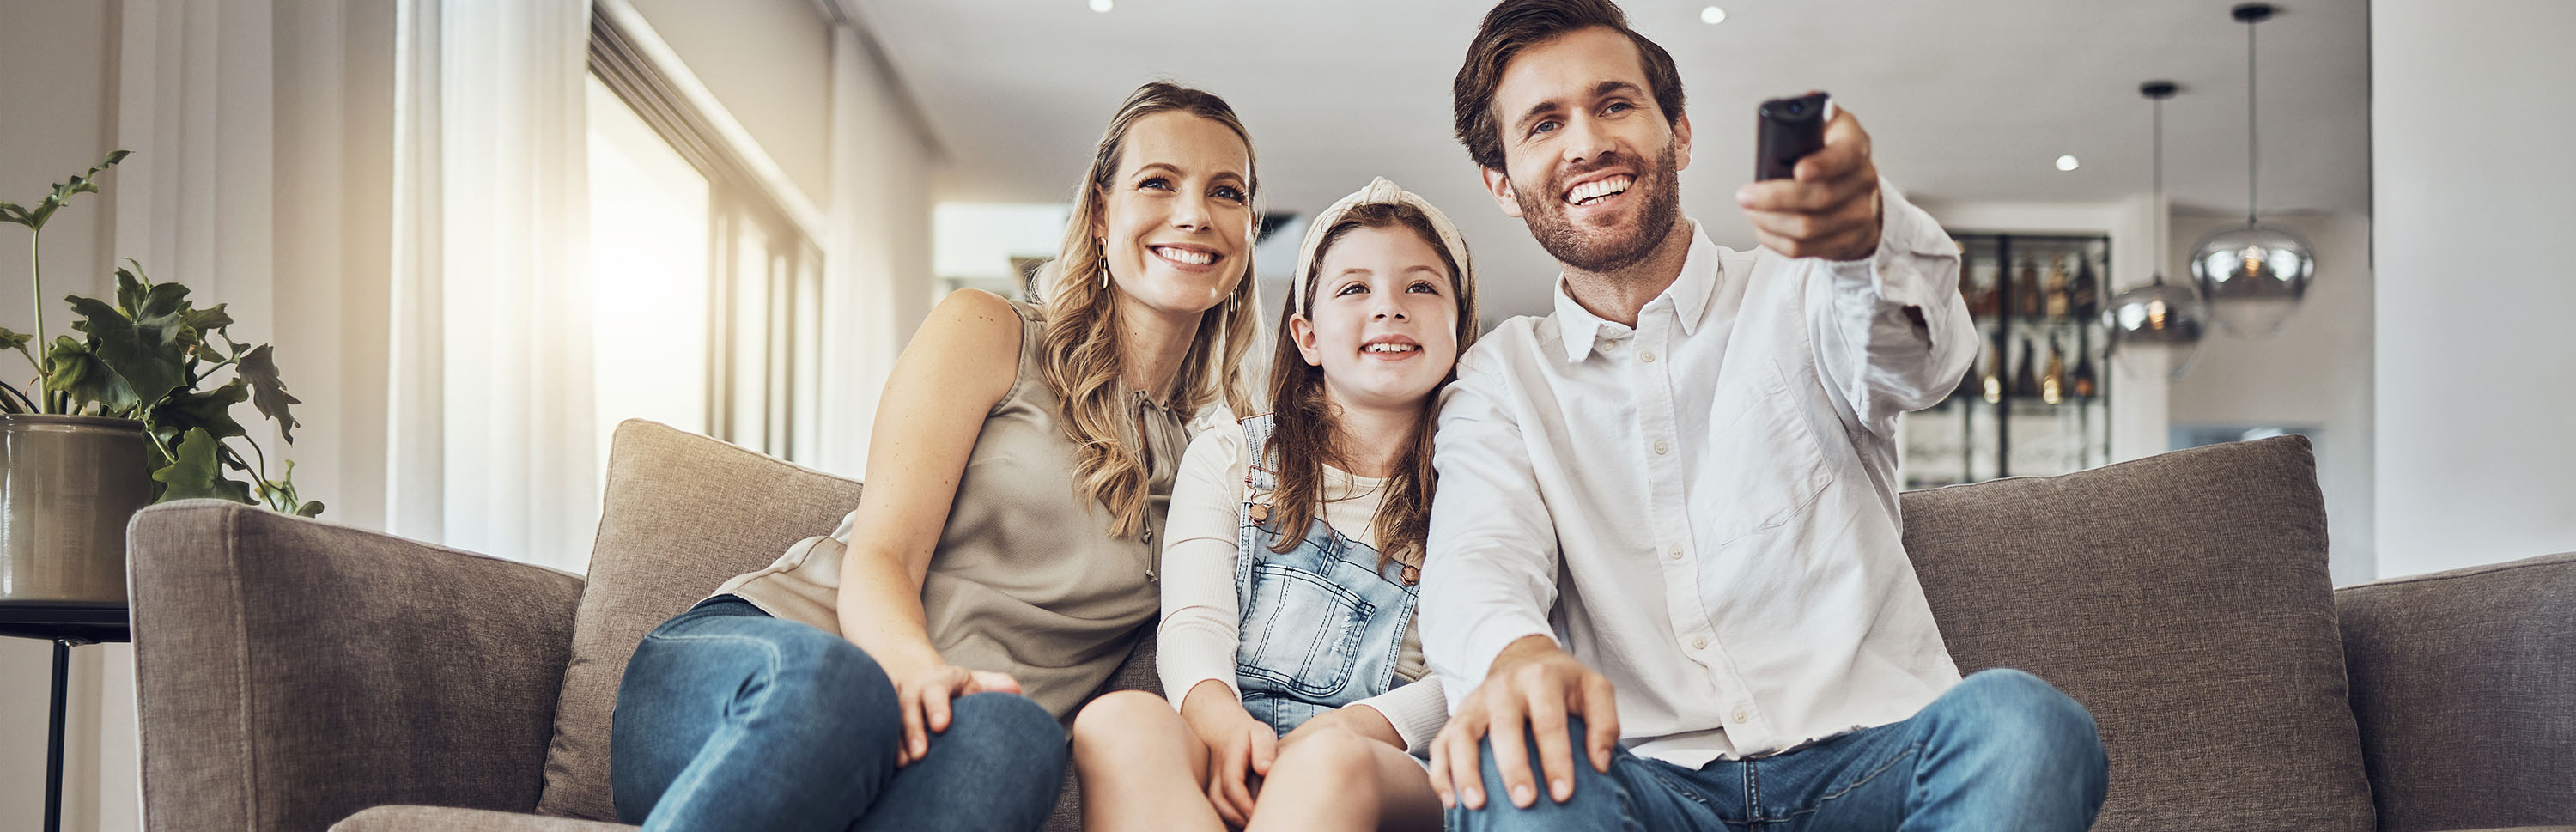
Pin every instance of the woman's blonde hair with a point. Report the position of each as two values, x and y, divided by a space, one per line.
1081 355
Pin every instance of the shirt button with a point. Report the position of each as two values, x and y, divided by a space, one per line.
1699 642
1742 715
1648 356
1677 553
1660 447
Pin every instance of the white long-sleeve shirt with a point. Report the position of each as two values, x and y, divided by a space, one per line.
1202 621
1703 507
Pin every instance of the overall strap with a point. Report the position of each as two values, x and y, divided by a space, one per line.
1260 477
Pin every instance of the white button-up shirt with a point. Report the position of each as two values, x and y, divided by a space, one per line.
1703 507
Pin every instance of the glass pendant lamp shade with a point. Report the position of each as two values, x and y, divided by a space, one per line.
2155 329
2252 277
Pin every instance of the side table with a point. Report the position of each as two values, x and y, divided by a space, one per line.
66 625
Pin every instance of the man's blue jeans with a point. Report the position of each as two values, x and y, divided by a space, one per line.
2002 750
729 719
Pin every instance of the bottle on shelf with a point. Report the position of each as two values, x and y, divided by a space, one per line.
1990 381
2083 384
2025 289
2026 379
2052 381
2086 292
2054 301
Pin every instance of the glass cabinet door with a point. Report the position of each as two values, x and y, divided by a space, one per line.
2037 400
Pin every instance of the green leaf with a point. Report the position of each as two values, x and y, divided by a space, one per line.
194 474
209 320
311 509
81 374
141 298
266 392
210 410
81 183
10 340
14 215
149 356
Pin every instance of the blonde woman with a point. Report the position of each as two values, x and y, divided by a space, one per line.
910 671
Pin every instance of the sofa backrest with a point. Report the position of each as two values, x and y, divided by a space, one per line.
2465 685
2184 599
682 513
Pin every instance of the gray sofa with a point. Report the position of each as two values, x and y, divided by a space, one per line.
298 675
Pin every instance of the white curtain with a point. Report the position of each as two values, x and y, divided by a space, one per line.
490 413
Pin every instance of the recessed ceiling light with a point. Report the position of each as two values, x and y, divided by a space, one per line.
1712 15
2063 162
1103 6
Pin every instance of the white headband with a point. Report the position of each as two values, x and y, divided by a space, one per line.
1379 192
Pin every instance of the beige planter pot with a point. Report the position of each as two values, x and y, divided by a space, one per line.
71 483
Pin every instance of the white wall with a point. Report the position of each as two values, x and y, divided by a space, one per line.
2314 373
2476 445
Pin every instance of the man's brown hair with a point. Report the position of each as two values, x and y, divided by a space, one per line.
1515 25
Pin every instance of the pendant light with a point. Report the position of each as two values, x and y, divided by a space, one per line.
2253 276
2156 328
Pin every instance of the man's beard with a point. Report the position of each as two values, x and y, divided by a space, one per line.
1601 251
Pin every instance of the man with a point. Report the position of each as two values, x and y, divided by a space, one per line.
1667 513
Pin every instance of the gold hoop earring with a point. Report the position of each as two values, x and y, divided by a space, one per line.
1102 246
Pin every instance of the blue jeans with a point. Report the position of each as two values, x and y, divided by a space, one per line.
2002 750
729 719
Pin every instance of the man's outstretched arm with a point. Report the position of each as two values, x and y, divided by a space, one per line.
1892 333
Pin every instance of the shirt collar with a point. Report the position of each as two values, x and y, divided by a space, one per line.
1702 270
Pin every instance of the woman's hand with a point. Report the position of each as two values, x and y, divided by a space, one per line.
924 696
1240 748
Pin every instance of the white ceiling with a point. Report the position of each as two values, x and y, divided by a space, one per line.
1967 100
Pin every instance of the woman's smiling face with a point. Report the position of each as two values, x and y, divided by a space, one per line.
1176 217
1384 325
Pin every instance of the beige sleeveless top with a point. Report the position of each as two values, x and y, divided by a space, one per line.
1026 579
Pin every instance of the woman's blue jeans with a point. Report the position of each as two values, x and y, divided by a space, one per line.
729 719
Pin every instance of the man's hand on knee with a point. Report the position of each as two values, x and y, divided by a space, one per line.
1533 686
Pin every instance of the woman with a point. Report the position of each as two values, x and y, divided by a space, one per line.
1295 542
910 671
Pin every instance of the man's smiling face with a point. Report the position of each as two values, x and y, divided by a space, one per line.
1592 165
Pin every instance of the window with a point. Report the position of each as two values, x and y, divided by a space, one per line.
708 297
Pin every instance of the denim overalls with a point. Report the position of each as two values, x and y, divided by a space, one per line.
1322 628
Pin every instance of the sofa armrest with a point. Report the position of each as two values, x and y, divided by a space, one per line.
2464 684
290 672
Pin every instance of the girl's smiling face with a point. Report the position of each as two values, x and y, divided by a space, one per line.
1384 325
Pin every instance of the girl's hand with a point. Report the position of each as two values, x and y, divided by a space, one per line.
924 696
1239 754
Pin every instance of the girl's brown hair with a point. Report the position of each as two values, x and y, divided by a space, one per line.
1304 423
1081 356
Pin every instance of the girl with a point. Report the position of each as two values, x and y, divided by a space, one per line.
1294 546
913 677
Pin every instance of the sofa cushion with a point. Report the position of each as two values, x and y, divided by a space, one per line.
2184 599
682 513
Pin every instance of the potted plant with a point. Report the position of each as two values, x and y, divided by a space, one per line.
136 410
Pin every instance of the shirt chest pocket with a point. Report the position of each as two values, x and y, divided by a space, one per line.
1301 631
1765 465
